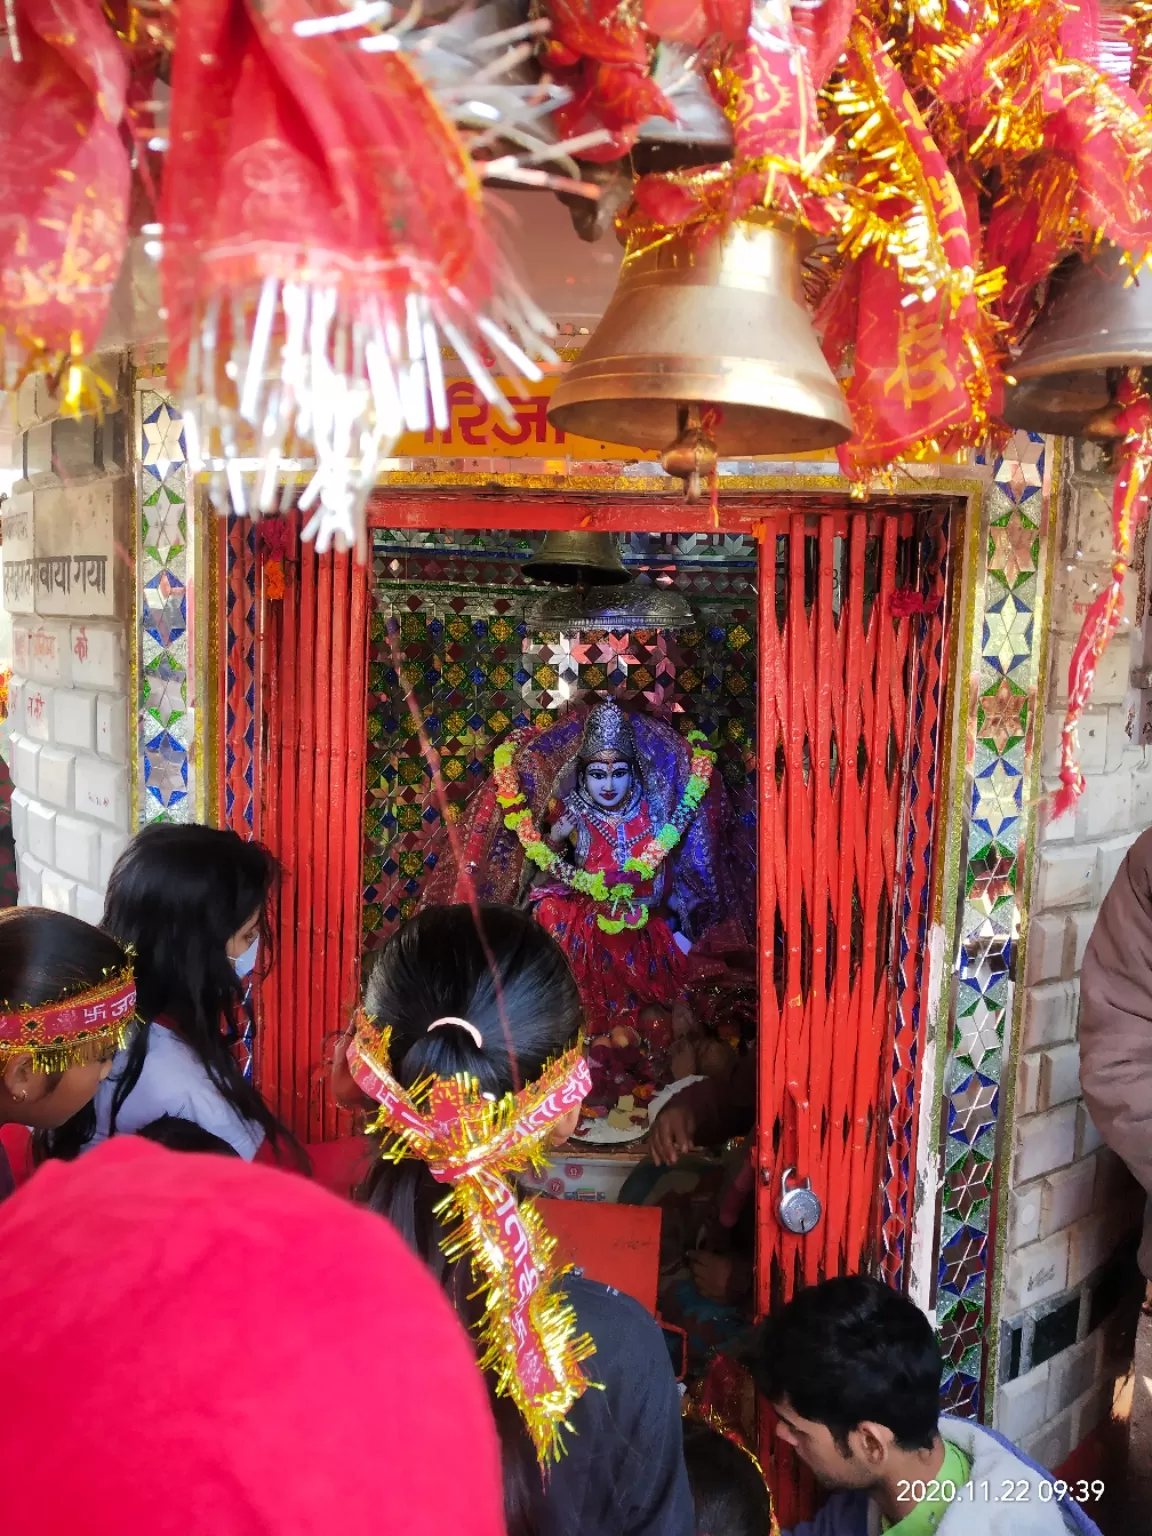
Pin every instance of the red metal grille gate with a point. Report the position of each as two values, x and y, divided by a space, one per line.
850 629
314 645
844 670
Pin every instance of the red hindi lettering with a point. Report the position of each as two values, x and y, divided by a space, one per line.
474 428
531 421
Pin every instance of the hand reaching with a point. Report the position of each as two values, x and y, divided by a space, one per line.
673 1133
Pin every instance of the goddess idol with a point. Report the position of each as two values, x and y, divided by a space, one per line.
625 945
613 828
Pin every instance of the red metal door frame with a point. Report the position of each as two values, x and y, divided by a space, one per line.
316 720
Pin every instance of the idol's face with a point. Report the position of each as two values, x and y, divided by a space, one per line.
608 784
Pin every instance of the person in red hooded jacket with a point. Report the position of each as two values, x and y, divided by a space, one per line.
192 1346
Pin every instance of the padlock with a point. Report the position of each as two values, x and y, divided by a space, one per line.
799 1207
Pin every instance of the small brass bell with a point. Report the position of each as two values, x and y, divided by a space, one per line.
577 560
1095 324
693 455
670 339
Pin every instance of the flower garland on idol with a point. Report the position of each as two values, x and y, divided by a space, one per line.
519 819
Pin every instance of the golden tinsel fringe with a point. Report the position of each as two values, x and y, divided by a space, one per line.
895 218
471 1209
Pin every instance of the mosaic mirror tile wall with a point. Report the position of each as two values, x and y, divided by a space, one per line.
997 814
164 672
477 671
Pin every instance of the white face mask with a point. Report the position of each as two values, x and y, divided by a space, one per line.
245 964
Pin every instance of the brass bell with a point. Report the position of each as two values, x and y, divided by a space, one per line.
693 455
663 343
1095 324
577 560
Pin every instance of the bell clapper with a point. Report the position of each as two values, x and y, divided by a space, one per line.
693 454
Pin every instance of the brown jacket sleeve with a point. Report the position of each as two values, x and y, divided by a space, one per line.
1116 1014
723 1106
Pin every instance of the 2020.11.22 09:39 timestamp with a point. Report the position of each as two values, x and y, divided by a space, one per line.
1019 1490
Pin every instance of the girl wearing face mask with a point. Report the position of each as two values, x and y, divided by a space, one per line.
191 902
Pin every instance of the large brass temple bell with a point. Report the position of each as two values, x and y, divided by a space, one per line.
577 560
717 334
1095 324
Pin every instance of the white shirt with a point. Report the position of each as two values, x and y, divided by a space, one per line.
173 1081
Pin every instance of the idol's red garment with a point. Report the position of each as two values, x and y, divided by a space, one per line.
193 1346
616 973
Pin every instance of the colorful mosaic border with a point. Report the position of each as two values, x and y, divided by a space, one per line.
940 547
167 785
991 847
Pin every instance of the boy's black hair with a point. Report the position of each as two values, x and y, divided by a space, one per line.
728 1493
849 1350
180 1135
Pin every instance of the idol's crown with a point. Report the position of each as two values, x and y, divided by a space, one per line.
608 733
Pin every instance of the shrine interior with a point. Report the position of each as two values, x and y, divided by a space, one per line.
468 650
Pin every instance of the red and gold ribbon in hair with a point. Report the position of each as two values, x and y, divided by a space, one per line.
476 1145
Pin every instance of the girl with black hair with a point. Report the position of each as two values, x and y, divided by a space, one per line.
67 999
470 1043
191 902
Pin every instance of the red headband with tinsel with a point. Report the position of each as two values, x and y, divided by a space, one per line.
65 1033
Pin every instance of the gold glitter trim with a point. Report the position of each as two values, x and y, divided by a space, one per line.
647 487
477 1145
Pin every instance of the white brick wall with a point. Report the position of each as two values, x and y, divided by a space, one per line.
1071 1203
74 718
78 848
1036 1272
112 845
69 693
1022 1405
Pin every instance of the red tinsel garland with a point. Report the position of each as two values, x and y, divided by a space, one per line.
64 180
1129 509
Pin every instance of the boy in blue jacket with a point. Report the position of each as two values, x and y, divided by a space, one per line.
853 1370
